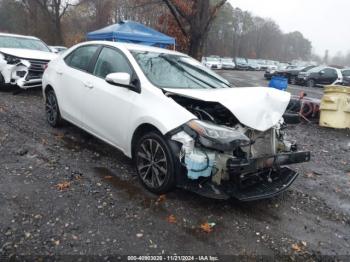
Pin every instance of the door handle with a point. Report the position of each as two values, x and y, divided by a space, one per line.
59 72
88 85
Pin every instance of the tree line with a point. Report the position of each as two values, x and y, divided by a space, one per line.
201 27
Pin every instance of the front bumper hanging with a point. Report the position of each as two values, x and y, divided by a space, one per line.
253 179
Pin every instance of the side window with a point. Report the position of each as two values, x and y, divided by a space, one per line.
111 61
346 73
81 57
328 72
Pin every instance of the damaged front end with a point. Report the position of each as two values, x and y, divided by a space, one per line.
24 73
225 159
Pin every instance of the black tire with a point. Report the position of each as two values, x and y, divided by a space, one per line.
291 118
155 163
2 82
293 80
53 115
310 83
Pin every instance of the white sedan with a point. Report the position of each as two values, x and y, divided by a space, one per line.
183 124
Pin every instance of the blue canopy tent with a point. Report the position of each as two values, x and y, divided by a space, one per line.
132 32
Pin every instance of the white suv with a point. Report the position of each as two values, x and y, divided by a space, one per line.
183 124
23 60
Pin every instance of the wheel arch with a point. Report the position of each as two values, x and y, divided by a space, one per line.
139 132
47 88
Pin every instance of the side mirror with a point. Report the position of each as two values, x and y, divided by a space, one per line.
124 80
119 79
321 73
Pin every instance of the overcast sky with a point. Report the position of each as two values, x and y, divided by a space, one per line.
326 23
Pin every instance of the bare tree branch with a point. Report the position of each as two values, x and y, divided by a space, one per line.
174 11
213 13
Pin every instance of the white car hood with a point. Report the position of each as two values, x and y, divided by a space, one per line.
29 54
259 108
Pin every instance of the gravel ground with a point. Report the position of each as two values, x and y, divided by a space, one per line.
64 192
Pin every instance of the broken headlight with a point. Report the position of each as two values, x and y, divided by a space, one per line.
10 59
221 138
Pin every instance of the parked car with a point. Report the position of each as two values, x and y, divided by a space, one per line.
271 71
241 63
320 76
262 64
213 62
292 72
346 76
272 65
183 124
253 65
23 60
58 49
228 63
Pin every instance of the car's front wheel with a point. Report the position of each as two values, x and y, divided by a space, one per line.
310 83
155 163
53 115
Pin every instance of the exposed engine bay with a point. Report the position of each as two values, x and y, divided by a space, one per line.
242 156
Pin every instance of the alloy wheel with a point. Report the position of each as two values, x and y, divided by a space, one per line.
311 83
51 108
152 163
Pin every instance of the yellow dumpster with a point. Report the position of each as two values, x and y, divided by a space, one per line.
335 107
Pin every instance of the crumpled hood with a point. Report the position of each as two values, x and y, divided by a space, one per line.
259 108
29 54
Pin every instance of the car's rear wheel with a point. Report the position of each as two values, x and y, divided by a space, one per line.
310 83
53 115
155 164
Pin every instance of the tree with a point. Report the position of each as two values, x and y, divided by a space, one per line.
101 11
54 10
194 18
12 17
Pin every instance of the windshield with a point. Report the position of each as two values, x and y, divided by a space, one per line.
316 69
22 43
175 71
307 68
212 59
230 60
241 60
252 61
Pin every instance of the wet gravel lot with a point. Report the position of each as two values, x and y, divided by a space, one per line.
64 192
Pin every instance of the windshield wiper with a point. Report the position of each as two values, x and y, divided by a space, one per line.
181 68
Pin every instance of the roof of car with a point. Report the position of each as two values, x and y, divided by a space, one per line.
135 47
22 36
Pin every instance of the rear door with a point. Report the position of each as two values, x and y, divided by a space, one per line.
329 77
107 107
72 78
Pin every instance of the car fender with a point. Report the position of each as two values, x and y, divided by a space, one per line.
158 110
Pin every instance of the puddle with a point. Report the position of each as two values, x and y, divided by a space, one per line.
130 187
70 143
84 141
137 194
